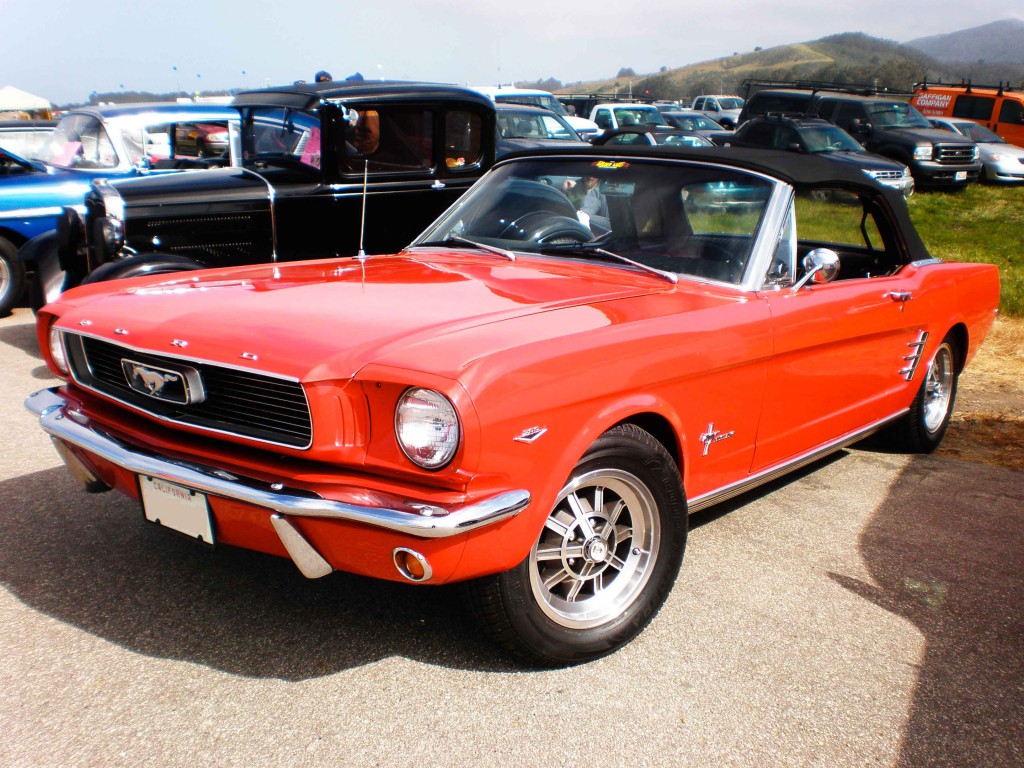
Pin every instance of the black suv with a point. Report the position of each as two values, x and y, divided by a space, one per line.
328 169
814 136
895 129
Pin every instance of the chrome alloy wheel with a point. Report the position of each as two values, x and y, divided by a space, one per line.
938 391
597 550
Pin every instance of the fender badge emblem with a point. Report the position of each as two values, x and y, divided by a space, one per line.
713 436
530 435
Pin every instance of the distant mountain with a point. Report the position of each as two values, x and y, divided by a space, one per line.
848 58
995 43
851 58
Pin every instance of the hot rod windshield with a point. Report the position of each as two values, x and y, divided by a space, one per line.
687 219
280 136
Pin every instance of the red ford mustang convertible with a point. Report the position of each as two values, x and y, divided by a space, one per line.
534 394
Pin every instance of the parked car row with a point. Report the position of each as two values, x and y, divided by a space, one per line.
339 152
93 143
939 153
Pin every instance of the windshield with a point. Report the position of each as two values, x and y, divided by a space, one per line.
829 138
280 136
523 124
79 141
626 116
897 114
686 219
980 133
540 100
692 122
730 103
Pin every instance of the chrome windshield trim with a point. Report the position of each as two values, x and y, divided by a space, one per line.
410 517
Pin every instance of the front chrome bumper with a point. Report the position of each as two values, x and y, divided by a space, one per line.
411 517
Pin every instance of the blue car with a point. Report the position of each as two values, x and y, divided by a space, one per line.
100 142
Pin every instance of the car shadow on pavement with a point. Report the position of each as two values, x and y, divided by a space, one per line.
91 561
21 335
947 555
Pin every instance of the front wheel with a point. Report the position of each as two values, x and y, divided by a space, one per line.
922 428
604 562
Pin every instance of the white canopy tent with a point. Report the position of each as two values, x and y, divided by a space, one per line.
16 100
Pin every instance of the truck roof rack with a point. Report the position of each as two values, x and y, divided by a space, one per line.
857 89
967 85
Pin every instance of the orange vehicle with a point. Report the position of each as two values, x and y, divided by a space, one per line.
531 397
999 108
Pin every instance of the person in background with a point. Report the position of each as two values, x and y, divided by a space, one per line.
323 76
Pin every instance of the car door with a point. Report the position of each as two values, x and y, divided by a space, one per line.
848 352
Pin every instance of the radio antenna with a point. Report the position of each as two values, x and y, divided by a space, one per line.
362 221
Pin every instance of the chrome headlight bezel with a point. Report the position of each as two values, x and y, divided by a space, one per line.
923 152
58 354
427 428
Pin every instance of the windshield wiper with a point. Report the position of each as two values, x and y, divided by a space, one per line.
594 247
460 240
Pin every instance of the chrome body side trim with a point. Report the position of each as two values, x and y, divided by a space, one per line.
411 517
732 490
914 358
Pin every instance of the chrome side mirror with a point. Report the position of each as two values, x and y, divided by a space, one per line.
820 265
142 165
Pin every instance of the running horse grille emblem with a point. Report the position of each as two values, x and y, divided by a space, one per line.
183 386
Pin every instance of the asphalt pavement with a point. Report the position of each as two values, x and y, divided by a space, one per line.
865 611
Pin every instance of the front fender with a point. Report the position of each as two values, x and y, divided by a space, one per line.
40 254
142 264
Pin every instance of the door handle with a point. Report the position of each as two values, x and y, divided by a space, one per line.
901 296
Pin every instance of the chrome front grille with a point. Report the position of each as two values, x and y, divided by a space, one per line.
886 175
954 154
237 402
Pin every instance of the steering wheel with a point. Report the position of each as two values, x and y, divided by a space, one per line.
545 228
719 263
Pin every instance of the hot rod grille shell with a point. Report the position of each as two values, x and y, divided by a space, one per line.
238 402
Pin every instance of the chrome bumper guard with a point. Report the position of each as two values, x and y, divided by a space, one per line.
413 518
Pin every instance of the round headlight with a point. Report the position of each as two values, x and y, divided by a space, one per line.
427 428
112 231
57 351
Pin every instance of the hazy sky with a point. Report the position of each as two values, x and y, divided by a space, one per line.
63 49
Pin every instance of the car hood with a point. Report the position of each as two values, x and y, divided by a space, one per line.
37 189
990 148
505 146
934 135
323 320
865 160
35 165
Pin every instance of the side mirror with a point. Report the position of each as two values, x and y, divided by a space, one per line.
820 265
142 165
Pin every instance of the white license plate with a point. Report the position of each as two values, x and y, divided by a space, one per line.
176 507
960 176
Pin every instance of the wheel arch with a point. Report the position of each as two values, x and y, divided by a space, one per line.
661 429
960 337
13 236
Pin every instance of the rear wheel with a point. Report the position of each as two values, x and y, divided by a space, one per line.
603 563
922 429
12 277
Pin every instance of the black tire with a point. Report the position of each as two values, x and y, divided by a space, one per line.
621 513
922 428
12 277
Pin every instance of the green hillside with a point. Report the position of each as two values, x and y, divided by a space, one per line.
849 58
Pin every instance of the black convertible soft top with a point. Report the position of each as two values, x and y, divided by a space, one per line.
804 172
